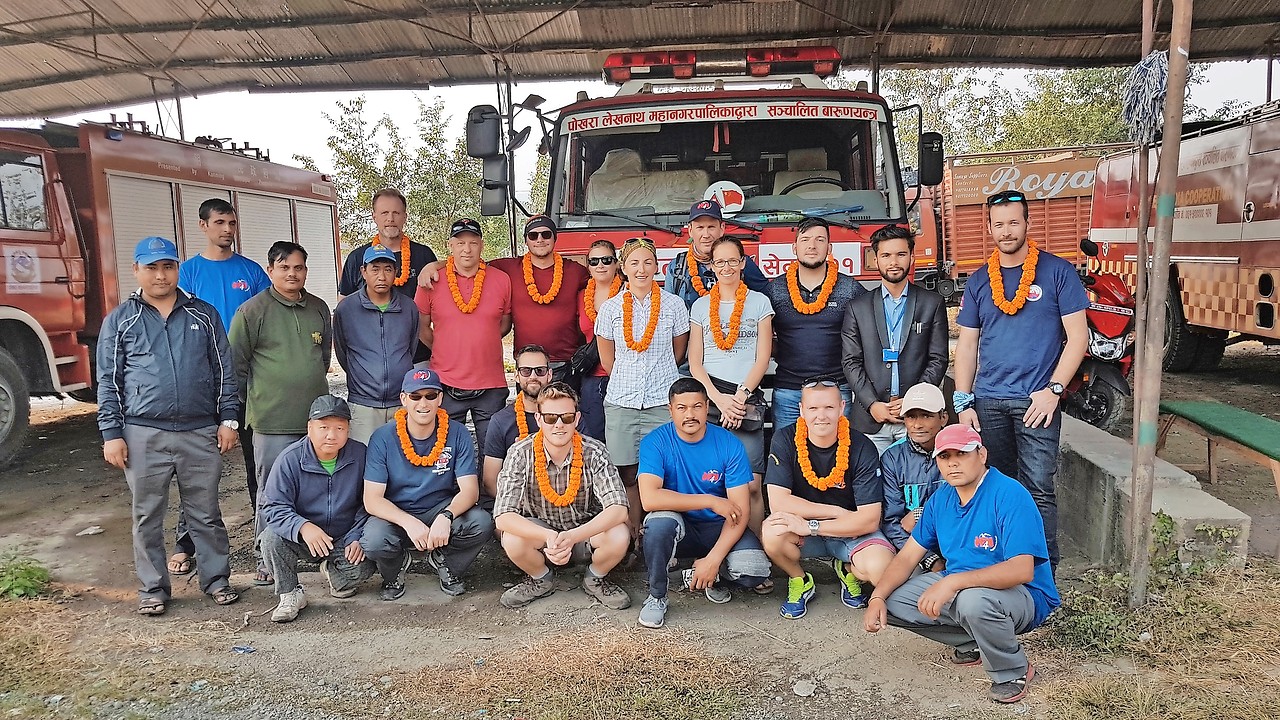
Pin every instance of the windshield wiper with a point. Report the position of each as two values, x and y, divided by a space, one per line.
628 218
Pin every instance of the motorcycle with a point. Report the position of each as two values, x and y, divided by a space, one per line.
1099 392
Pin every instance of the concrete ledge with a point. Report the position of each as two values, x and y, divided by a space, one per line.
1095 498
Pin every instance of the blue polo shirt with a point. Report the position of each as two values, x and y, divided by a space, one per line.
224 284
1000 522
416 490
1017 353
710 466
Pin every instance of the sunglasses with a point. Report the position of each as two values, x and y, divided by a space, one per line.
424 395
551 418
539 235
823 383
540 371
602 260
643 242
1006 196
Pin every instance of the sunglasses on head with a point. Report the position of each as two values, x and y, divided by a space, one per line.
602 260
823 383
643 242
424 395
539 235
1006 196
551 418
540 371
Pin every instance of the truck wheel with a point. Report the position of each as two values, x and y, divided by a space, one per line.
1181 346
15 408
1210 354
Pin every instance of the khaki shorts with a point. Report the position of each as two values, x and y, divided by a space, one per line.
624 428
581 551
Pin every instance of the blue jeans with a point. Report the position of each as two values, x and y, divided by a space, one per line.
592 406
786 405
669 535
1028 454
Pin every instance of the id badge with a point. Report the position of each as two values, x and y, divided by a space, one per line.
889 355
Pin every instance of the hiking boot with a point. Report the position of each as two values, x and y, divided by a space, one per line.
529 589
326 570
1014 690
852 593
654 612
799 591
289 605
716 593
394 589
451 584
609 594
966 658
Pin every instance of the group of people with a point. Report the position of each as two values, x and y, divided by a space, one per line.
638 427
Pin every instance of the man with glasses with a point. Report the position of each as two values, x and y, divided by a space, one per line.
1022 336
420 487
690 275
516 421
560 500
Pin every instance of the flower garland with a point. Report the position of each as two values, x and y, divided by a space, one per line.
654 307
544 482
451 274
828 284
589 296
406 444
842 456
522 422
403 276
695 278
723 341
557 277
1010 307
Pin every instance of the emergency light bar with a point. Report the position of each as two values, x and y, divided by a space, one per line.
755 62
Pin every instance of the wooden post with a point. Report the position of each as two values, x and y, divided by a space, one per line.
1143 155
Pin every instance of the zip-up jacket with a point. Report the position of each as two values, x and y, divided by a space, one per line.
299 490
375 347
281 349
170 373
905 463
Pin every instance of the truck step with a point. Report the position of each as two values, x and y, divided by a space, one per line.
65 360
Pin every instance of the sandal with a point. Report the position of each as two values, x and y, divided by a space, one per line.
764 588
263 577
151 606
225 596
181 564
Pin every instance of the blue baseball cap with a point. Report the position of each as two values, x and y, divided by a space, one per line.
420 379
705 208
378 252
155 249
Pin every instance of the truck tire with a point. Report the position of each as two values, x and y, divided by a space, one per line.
1181 346
1210 353
15 408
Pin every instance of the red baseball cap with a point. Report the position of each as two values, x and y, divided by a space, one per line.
957 437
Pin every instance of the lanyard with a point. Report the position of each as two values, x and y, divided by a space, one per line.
894 322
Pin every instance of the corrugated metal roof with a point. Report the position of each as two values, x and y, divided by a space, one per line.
58 56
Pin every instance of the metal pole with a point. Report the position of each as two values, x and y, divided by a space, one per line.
875 70
1271 64
182 127
1166 186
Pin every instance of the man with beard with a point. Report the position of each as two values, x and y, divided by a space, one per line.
808 301
690 275
893 338
516 421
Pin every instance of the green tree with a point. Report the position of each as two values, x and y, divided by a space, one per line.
1061 108
539 184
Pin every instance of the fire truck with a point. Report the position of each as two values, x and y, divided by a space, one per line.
1226 235
757 130
73 203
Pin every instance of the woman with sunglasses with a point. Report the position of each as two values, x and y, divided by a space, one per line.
605 282
730 343
642 334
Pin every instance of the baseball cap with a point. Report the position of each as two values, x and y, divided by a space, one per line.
155 249
420 379
923 396
329 406
378 252
540 222
957 437
707 208
464 225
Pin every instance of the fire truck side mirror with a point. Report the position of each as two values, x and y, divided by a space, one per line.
484 132
494 186
930 159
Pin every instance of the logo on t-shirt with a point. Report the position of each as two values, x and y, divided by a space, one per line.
712 477
442 462
985 541
1034 293
240 285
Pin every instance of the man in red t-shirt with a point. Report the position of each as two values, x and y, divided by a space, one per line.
464 318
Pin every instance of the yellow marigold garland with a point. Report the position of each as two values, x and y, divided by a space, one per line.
544 481
654 308
842 456
556 278
727 341
522 423
828 284
1010 307
451 274
589 296
695 279
406 443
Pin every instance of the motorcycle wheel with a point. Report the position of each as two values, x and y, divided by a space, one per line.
1100 405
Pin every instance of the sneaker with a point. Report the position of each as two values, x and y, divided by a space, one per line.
851 591
1014 690
608 593
394 589
451 584
654 612
717 593
966 658
289 605
799 591
527 591
326 570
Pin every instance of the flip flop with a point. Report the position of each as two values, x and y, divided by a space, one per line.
181 564
225 596
151 606
764 588
262 577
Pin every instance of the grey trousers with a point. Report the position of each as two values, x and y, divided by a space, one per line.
266 448
281 556
481 408
387 543
987 619
156 458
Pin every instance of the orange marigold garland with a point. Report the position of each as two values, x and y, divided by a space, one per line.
654 307
522 422
837 473
1010 307
403 276
451 274
727 341
589 296
544 481
557 276
695 278
406 443
828 284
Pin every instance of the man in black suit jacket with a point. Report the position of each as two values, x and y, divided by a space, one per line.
893 338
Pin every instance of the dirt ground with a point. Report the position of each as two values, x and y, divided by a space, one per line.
347 658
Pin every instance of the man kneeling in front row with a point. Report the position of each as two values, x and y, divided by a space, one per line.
560 499
313 508
997 583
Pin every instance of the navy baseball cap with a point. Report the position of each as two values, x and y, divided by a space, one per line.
378 252
540 222
420 379
705 208
155 249
329 406
464 225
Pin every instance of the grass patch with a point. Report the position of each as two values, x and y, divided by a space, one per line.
1129 698
599 673
21 576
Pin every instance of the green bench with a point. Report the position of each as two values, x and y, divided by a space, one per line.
1253 436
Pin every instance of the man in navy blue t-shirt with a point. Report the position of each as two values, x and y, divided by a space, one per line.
1022 337
997 583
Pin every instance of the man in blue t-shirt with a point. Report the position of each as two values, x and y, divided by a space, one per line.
223 278
997 583
1018 349
421 488
693 480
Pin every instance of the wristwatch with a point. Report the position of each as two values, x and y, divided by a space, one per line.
233 424
1057 388
447 513
813 527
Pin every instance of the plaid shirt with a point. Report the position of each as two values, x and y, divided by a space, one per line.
641 380
518 486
